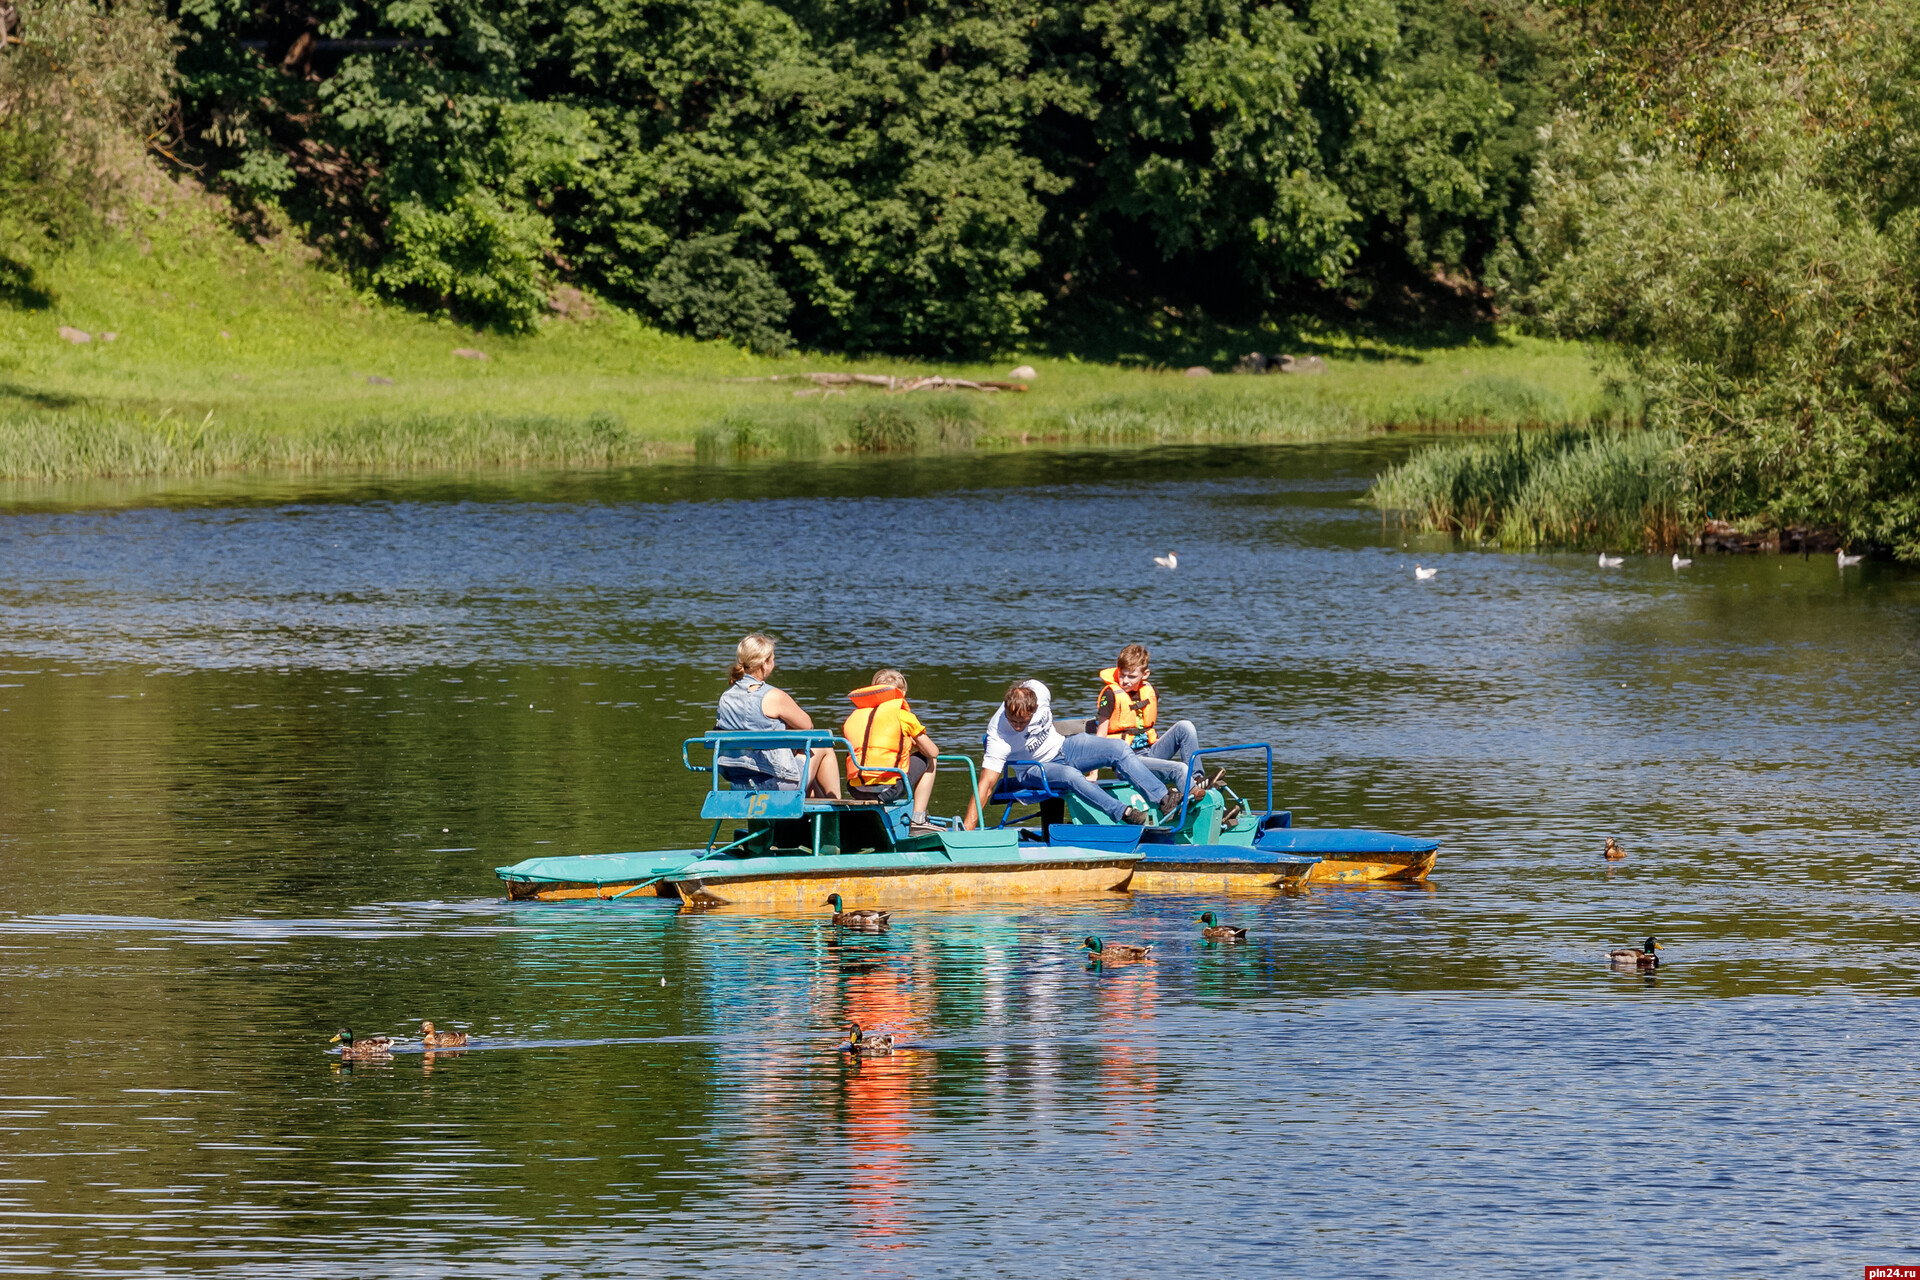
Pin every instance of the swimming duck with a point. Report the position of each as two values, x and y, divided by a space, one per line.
1637 957
441 1039
361 1050
865 918
1117 952
1614 852
861 1045
1214 931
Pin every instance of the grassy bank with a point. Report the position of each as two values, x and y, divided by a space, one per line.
236 355
1585 487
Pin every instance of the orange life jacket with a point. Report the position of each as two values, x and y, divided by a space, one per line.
874 730
1128 715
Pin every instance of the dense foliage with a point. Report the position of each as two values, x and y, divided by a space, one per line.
1743 225
75 97
876 174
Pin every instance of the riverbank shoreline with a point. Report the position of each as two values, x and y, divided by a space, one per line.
176 348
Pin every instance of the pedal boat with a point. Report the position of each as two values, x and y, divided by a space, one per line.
788 851
1260 849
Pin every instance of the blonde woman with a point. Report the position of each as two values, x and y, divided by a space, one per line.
751 705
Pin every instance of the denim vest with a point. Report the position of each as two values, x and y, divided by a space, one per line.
740 712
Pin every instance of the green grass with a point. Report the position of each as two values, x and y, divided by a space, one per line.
1587 487
234 355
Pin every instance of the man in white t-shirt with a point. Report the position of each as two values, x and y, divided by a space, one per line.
1022 740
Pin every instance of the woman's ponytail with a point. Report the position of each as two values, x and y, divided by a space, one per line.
750 655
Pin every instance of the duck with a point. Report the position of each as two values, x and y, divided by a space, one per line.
1613 851
1611 562
1422 574
362 1050
1117 952
864 918
1680 561
861 1045
1214 931
1171 560
1640 957
1846 561
441 1039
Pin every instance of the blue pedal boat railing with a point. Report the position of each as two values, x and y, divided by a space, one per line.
1013 790
760 808
1193 769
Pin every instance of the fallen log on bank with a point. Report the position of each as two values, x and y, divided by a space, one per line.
883 382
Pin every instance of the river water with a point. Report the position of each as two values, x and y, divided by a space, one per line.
261 746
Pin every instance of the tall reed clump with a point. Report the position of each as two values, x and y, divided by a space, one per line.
1181 415
1570 486
88 443
863 422
1489 400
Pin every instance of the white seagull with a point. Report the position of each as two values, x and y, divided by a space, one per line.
1678 563
1846 559
1171 560
1611 562
1421 575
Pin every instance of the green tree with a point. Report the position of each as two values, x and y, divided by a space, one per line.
1754 248
919 177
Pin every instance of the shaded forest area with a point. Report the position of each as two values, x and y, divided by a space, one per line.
939 179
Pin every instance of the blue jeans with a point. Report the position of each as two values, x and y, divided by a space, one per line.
1083 751
754 780
1168 757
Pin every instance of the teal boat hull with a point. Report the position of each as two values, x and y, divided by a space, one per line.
949 865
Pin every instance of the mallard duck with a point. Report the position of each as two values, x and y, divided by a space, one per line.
441 1039
865 918
1117 952
1614 851
861 1045
1214 931
371 1047
1637 957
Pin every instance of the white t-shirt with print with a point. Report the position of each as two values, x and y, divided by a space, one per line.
1039 741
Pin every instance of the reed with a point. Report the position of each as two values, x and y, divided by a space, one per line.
1567 486
40 447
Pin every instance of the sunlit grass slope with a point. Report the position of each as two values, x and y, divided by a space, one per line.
237 355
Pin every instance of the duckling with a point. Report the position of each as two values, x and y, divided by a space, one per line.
1641 957
441 1039
1117 952
864 918
1214 931
1614 851
362 1050
861 1045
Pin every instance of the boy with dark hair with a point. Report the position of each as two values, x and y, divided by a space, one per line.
1022 730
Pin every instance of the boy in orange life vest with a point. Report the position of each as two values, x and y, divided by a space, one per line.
886 734
1129 709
